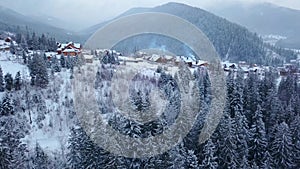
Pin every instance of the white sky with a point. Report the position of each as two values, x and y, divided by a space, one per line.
89 12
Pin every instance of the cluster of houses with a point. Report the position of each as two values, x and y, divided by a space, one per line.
244 67
290 68
287 69
75 49
163 59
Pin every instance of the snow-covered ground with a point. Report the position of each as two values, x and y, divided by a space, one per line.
54 133
10 64
12 68
273 39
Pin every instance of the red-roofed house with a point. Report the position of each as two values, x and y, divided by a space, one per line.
69 49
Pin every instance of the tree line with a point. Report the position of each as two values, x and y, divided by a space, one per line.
259 129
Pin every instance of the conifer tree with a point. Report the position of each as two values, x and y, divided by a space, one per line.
17 81
282 147
2 85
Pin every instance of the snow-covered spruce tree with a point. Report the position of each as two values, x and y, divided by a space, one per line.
192 160
41 109
43 43
227 148
69 62
267 161
98 79
24 56
109 58
34 45
160 161
258 141
244 164
286 88
180 158
135 163
5 110
297 154
46 60
237 110
268 91
76 60
150 163
73 157
17 82
231 85
254 166
9 82
232 132
268 83
276 117
23 44
38 71
282 147
4 158
271 107
40 159
202 90
210 159
6 106
62 61
82 148
84 153
175 157
242 136
251 96
105 59
295 129
139 93
56 67
2 85
12 131
18 37
295 100
137 100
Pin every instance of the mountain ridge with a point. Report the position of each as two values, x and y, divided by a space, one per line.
11 20
266 19
232 41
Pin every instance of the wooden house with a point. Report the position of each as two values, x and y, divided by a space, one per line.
69 49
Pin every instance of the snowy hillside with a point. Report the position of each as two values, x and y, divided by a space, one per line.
10 64
51 130
50 109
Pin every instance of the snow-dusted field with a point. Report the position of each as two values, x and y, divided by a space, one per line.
12 68
54 134
9 64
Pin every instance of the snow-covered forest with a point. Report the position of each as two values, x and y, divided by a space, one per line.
259 128
40 127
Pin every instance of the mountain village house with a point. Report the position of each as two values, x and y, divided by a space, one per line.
5 44
69 49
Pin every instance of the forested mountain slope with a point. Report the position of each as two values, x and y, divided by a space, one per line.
232 42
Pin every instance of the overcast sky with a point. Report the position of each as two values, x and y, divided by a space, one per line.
89 12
